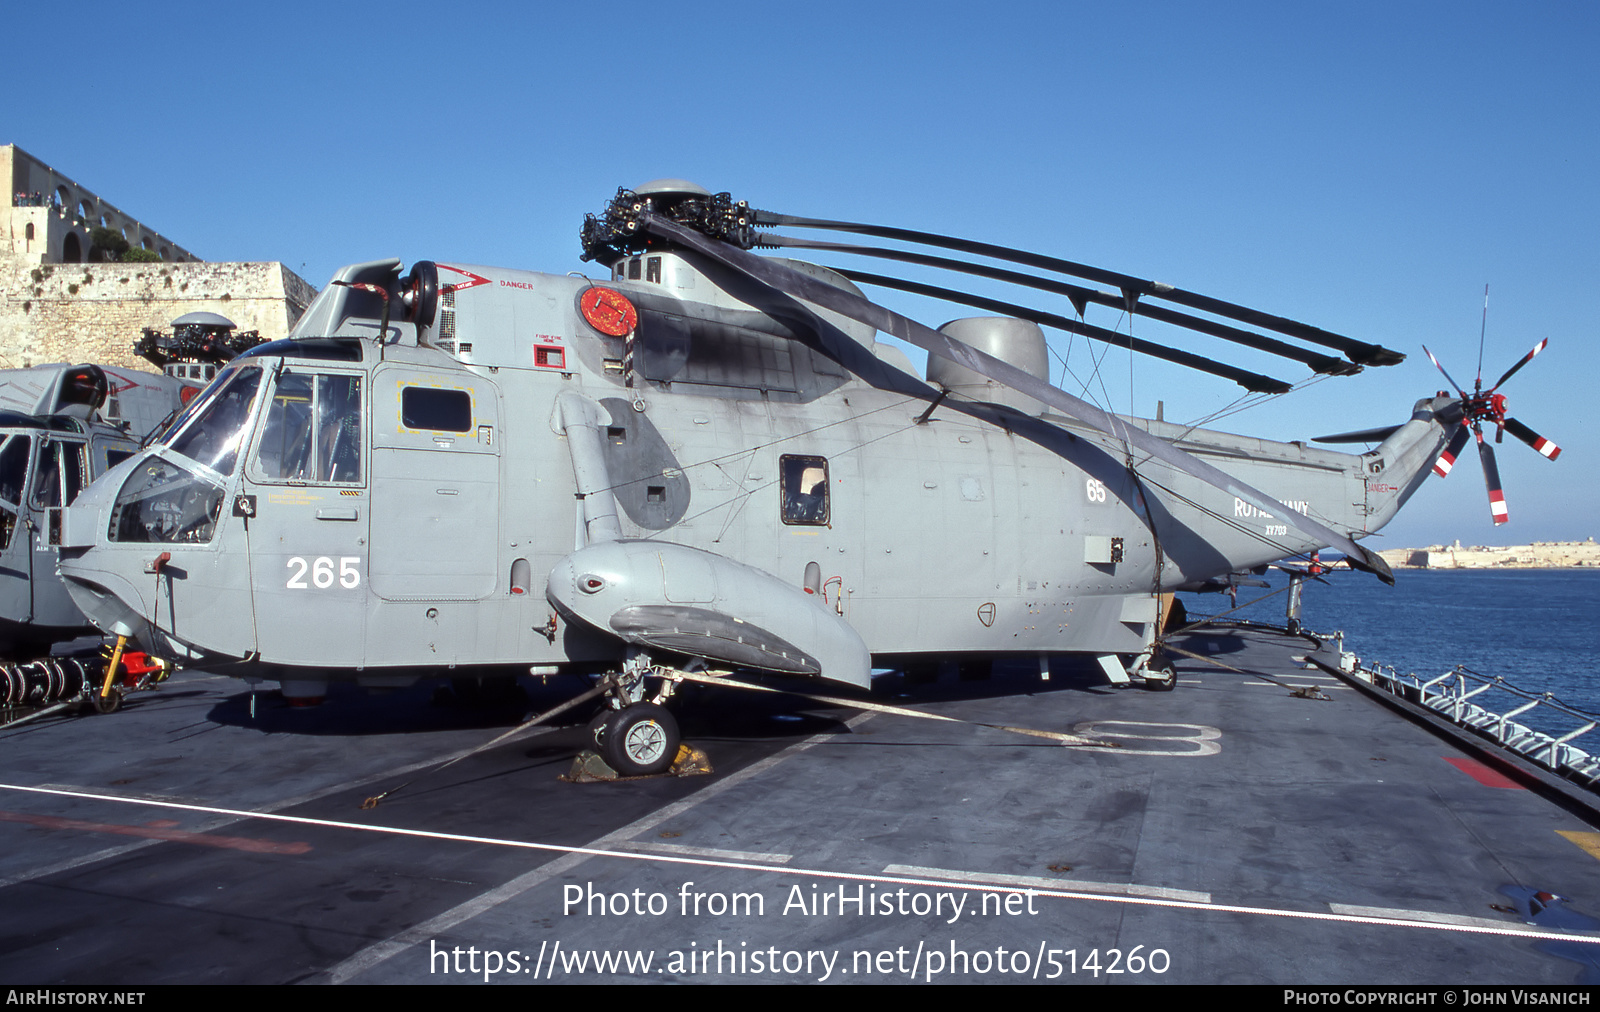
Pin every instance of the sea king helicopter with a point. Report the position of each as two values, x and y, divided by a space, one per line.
701 466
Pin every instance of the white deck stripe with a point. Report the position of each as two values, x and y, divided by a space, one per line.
1039 882
1298 685
1429 916
730 855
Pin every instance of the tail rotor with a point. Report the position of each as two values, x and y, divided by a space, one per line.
1489 405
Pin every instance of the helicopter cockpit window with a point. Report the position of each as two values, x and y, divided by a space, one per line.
436 408
805 489
313 430
13 478
14 468
165 503
59 474
215 432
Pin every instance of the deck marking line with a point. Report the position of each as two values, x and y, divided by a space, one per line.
376 953
573 856
243 843
1486 775
1297 685
1040 882
732 855
1590 842
1416 915
108 853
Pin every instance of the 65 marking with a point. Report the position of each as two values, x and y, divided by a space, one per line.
322 575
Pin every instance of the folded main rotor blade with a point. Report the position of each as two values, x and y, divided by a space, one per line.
789 282
1254 382
1364 436
1080 298
1524 360
1491 479
1447 457
1358 351
1532 438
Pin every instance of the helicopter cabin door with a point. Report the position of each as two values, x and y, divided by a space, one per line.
304 503
436 506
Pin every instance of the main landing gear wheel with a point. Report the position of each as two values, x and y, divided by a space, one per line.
1161 676
637 741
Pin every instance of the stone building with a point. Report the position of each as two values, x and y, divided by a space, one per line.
56 305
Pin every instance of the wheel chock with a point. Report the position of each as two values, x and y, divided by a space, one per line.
589 768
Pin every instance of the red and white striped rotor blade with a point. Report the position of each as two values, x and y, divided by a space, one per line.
1491 478
1447 458
1533 439
1447 376
1520 363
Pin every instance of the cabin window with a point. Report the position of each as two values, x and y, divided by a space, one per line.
435 408
313 430
805 489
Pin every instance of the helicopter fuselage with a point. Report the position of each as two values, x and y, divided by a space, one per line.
367 501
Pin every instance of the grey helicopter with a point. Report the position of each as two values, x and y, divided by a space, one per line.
702 466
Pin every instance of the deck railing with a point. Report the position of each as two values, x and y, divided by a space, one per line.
1487 705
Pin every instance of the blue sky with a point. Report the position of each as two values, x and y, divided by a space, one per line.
1366 168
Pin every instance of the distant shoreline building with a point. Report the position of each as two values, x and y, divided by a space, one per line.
57 304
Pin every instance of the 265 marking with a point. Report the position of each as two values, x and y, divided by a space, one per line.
322 572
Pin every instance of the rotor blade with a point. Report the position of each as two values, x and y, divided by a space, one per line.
1358 351
1364 436
820 293
1080 298
1491 479
1253 382
1447 376
1447 457
1524 360
1532 438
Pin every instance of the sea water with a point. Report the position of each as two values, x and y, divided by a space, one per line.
1537 628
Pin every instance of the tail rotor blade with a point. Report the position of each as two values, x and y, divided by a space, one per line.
1533 439
1447 459
1524 360
1491 478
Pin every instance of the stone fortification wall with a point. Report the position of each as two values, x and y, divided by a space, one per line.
95 312
1538 555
